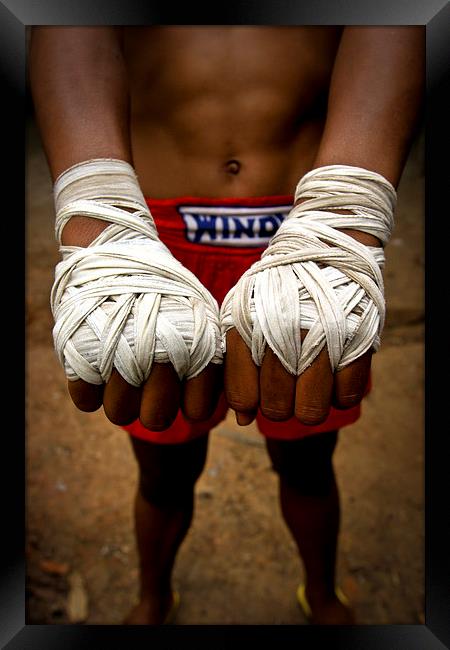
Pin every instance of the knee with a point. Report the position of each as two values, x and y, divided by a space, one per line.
167 476
165 491
167 487
305 465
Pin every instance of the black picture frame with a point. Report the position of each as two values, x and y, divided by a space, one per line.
15 16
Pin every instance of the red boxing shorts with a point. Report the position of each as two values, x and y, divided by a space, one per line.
218 240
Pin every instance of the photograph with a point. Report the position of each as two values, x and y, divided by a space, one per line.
219 331
225 243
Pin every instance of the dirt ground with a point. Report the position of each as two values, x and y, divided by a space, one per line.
238 564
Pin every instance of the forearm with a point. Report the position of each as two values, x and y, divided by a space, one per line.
375 99
79 87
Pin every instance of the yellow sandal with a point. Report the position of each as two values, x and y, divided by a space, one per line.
303 602
173 608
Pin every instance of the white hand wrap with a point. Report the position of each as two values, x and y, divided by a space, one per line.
124 301
314 277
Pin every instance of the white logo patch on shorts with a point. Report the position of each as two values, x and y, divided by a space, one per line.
232 226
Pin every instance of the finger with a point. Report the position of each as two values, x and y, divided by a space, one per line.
86 397
314 390
277 388
241 379
160 397
121 401
351 382
201 393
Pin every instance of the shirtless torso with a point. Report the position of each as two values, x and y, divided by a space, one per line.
226 111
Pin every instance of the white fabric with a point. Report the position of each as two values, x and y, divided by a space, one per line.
125 301
314 277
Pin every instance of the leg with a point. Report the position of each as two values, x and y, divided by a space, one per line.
309 501
163 513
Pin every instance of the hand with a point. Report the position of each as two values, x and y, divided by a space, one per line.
281 395
157 401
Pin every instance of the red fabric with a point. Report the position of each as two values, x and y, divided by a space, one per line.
219 267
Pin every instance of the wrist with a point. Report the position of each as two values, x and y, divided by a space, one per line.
81 231
353 200
95 193
363 237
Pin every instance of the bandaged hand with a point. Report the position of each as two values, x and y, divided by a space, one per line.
134 329
301 325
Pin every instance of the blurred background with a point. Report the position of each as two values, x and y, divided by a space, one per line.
238 564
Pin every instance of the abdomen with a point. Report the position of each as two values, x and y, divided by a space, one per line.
226 111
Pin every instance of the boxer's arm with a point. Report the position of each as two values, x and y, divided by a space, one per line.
79 85
374 107
374 104
375 99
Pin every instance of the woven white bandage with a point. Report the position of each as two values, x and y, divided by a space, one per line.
124 301
312 276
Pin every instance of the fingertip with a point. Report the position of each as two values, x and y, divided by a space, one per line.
277 389
161 395
86 397
351 383
241 378
121 400
201 394
245 418
314 391
347 401
155 425
310 415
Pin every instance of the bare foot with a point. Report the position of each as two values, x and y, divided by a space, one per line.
329 611
149 611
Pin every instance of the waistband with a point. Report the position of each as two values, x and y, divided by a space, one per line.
232 224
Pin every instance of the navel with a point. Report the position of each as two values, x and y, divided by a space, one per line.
233 166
